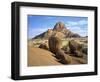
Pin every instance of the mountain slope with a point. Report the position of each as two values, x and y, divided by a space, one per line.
59 30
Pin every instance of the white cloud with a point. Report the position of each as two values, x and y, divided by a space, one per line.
71 23
78 30
82 22
79 27
74 23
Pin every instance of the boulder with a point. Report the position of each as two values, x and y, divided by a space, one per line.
62 57
73 45
54 44
43 46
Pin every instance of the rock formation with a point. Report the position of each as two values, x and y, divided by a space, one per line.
59 26
54 44
55 47
59 30
43 46
75 48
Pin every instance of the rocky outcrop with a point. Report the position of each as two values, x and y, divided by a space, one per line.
59 30
75 48
55 47
59 26
54 44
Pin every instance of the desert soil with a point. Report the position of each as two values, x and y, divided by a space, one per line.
41 57
38 57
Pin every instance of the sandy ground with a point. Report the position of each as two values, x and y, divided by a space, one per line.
41 57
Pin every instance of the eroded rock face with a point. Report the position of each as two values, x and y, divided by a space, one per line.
48 34
75 48
54 44
66 49
73 45
62 57
78 54
55 47
59 26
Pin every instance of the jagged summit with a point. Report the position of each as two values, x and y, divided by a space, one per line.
59 30
59 26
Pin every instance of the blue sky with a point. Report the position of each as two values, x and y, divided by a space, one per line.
38 24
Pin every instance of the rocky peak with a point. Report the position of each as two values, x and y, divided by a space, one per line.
59 26
59 30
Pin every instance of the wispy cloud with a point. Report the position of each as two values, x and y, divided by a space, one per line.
79 30
71 23
75 23
79 27
83 22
